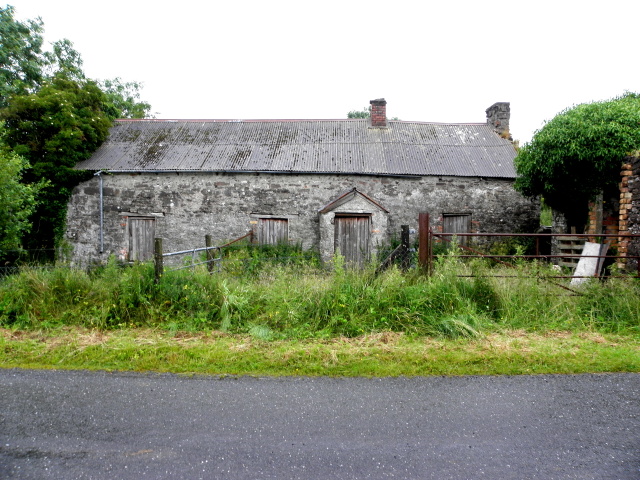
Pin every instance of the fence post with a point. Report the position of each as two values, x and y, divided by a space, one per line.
208 242
157 259
424 243
404 240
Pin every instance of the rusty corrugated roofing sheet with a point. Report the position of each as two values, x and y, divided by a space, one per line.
305 146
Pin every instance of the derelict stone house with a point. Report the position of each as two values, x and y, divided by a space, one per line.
326 184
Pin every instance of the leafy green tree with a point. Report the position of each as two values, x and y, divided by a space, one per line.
25 67
54 116
21 58
54 128
578 154
17 199
364 113
63 58
124 99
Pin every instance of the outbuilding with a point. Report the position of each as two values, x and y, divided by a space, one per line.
325 184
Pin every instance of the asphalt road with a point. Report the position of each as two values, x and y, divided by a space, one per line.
88 425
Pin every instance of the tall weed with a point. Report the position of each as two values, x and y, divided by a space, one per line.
612 306
290 300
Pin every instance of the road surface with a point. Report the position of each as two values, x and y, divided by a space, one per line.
99 425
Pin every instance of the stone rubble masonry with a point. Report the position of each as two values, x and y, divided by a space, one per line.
188 206
629 216
498 116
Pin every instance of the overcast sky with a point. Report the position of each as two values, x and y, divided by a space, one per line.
434 61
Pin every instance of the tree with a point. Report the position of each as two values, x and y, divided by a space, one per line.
63 58
17 199
578 154
25 67
54 116
21 58
62 123
124 99
364 113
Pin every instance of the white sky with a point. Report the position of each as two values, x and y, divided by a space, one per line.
434 61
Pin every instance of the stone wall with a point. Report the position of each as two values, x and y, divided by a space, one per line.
630 211
188 206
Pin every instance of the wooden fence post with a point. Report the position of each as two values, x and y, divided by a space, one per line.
424 243
209 243
157 259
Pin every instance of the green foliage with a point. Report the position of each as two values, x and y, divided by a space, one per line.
124 99
25 67
364 113
21 60
17 200
250 259
546 214
579 153
59 125
65 59
54 116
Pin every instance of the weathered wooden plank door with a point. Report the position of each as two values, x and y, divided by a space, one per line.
457 224
142 231
352 238
272 231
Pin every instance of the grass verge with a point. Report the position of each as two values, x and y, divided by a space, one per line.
381 354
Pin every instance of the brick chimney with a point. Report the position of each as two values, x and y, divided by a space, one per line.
378 112
498 116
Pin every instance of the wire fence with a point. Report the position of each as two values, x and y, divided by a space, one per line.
506 249
564 250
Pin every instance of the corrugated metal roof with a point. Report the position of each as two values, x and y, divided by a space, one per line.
305 146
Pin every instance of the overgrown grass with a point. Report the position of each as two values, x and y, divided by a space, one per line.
298 300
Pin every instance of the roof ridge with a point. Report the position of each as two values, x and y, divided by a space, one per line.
274 120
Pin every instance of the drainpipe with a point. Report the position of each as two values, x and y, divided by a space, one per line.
99 175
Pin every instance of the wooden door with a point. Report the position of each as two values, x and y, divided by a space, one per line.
272 231
457 223
142 231
352 238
